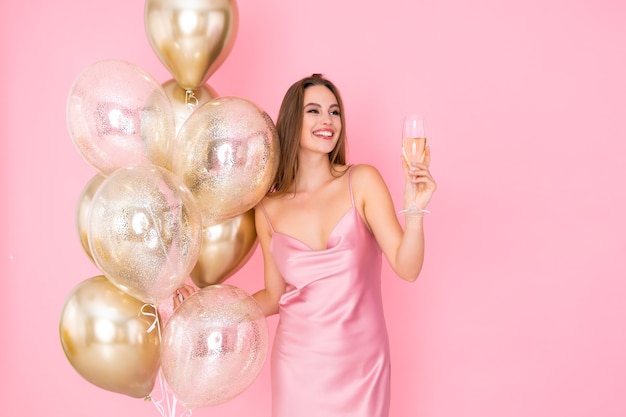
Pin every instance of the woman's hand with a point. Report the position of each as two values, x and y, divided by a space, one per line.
418 176
182 294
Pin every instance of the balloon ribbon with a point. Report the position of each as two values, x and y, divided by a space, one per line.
166 405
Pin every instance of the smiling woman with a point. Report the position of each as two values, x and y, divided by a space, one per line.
322 119
323 228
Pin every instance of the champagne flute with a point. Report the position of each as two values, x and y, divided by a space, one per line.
413 150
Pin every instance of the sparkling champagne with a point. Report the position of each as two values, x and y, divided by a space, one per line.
413 149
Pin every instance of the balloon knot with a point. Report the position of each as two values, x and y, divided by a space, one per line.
191 100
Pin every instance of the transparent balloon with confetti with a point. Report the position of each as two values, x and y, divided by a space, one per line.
119 115
144 231
214 346
227 154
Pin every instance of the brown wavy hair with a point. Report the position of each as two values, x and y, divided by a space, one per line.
289 129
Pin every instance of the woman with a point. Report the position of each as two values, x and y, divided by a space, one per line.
322 229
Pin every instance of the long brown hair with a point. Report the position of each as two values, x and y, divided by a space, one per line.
289 129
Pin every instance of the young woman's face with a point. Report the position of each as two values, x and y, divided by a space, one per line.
321 124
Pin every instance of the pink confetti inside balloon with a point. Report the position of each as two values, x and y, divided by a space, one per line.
145 231
118 115
227 154
214 346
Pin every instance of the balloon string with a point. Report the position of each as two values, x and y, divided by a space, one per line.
168 402
156 323
169 408
191 101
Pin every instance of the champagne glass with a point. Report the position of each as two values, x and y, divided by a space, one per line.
413 149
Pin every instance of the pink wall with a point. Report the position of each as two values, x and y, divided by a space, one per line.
520 308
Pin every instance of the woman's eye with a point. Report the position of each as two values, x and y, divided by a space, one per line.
312 111
335 112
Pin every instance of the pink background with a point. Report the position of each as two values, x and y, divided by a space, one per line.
521 306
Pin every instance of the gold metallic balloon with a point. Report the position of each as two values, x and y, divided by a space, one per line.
110 338
118 115
184 102
227 154
214 346
192 38
82 210
145 231
226 247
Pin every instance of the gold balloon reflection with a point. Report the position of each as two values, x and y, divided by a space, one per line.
226 247
108 340
82 211
191 38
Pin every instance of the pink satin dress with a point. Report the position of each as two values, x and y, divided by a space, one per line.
331 350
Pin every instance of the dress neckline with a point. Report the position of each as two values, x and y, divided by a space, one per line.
332 232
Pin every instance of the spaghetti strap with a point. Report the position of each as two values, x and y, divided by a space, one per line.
269 223
350 183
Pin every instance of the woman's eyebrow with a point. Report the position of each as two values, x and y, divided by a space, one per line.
319 105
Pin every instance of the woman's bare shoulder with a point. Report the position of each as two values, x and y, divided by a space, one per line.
273 204
365 173
367 183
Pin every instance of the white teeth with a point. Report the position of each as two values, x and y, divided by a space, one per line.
324 133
